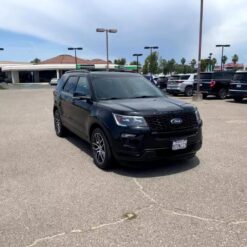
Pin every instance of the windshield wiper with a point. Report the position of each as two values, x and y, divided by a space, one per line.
145 96
112 98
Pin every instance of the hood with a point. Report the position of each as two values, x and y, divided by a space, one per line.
146 106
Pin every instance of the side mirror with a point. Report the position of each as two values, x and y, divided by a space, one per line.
80 96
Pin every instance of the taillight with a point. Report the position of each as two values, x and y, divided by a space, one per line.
212 83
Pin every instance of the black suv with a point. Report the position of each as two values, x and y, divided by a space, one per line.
215 83
124 116
238 87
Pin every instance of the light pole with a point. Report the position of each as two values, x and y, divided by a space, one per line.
137 55
222 51
102 30
151 48
75 49
198 95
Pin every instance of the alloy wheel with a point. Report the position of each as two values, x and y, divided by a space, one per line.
98 146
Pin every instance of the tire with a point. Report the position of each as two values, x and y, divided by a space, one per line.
238 99
175 94
222 94
102 155
59 128
204 96
188 91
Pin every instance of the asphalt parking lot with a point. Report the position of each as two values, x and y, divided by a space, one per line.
51 193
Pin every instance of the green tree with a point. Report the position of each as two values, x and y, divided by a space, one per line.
183 61
171 65
204 64
135 63
193 63
213 62
36 61
162 68
120 61
224 59
235 59
151 64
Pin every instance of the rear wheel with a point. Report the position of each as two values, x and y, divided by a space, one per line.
238 99
204 96
101 149
188 91
222 93
59 128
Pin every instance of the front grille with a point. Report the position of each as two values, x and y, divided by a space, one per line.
162 123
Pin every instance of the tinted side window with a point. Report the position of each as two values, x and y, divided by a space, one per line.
240 77
228 76
184 77
70 84
219 75
83 86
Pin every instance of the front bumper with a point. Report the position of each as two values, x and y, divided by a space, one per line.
237 93
148 146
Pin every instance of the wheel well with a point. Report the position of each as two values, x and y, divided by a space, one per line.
93 127
54 109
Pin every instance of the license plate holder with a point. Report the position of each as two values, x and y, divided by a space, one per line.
179 144
238 85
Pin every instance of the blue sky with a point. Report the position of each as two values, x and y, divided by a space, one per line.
44 29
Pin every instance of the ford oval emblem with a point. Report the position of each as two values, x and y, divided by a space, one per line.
176 121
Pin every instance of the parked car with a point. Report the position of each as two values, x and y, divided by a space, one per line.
181 84
53 81
151 78
162 82
215 83
238 87
125 117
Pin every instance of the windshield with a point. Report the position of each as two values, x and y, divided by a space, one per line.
240 77
123 86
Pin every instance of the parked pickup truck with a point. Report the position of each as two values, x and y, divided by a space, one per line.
215 83
238 87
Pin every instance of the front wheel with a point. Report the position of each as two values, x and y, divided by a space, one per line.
204 96
101 149
188 91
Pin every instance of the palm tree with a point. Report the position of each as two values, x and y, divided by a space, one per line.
214 61
183 60
193 63
224 59
235 59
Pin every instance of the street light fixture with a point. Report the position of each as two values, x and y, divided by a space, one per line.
137 55
1 49
222 51
151 48
102 30
75 49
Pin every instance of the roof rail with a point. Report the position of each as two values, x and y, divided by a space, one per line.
77 70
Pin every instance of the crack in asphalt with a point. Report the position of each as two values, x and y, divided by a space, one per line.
153 203
169 211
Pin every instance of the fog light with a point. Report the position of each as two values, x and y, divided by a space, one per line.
128 135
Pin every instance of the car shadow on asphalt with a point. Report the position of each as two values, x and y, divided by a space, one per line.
79 143
235 102
156 169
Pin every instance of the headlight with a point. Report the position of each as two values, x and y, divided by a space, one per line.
198 118
130 121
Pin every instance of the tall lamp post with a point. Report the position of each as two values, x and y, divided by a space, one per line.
102 30
222 51
151 48
75 49
198 95
137 55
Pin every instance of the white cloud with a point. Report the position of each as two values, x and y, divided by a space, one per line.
173 25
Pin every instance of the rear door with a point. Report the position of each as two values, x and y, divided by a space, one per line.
81 108
205 80
66 98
